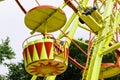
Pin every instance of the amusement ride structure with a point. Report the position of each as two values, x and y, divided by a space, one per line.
47 56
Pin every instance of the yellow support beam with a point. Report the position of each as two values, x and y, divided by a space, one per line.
67 25
110 49
116 24
70 34
84 3
34 77
83 27
72 31
95 62
50 78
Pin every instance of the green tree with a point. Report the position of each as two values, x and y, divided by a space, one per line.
17 72
6 52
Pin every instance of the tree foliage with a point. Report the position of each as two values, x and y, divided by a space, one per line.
17 72
6 52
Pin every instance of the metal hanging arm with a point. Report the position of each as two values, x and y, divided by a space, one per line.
37 2
70 4
78 65
23 9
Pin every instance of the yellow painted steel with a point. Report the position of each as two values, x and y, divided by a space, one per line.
35 55
95 63
73 29
91 22
28 58
84 3
109 71
84 27
110 49
45 60
97 23
115 26
50 78
45 19
44 53
67 25
108 7
71 34
34 77
97 16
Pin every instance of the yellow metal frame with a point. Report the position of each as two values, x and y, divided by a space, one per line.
104 34
101 47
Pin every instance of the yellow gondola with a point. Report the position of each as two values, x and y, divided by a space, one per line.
45 57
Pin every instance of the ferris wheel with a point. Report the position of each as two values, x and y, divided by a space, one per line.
47 56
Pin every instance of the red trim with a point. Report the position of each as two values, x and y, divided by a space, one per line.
48 46
25 55
78 65
39 48
71 5
108 64
31 50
